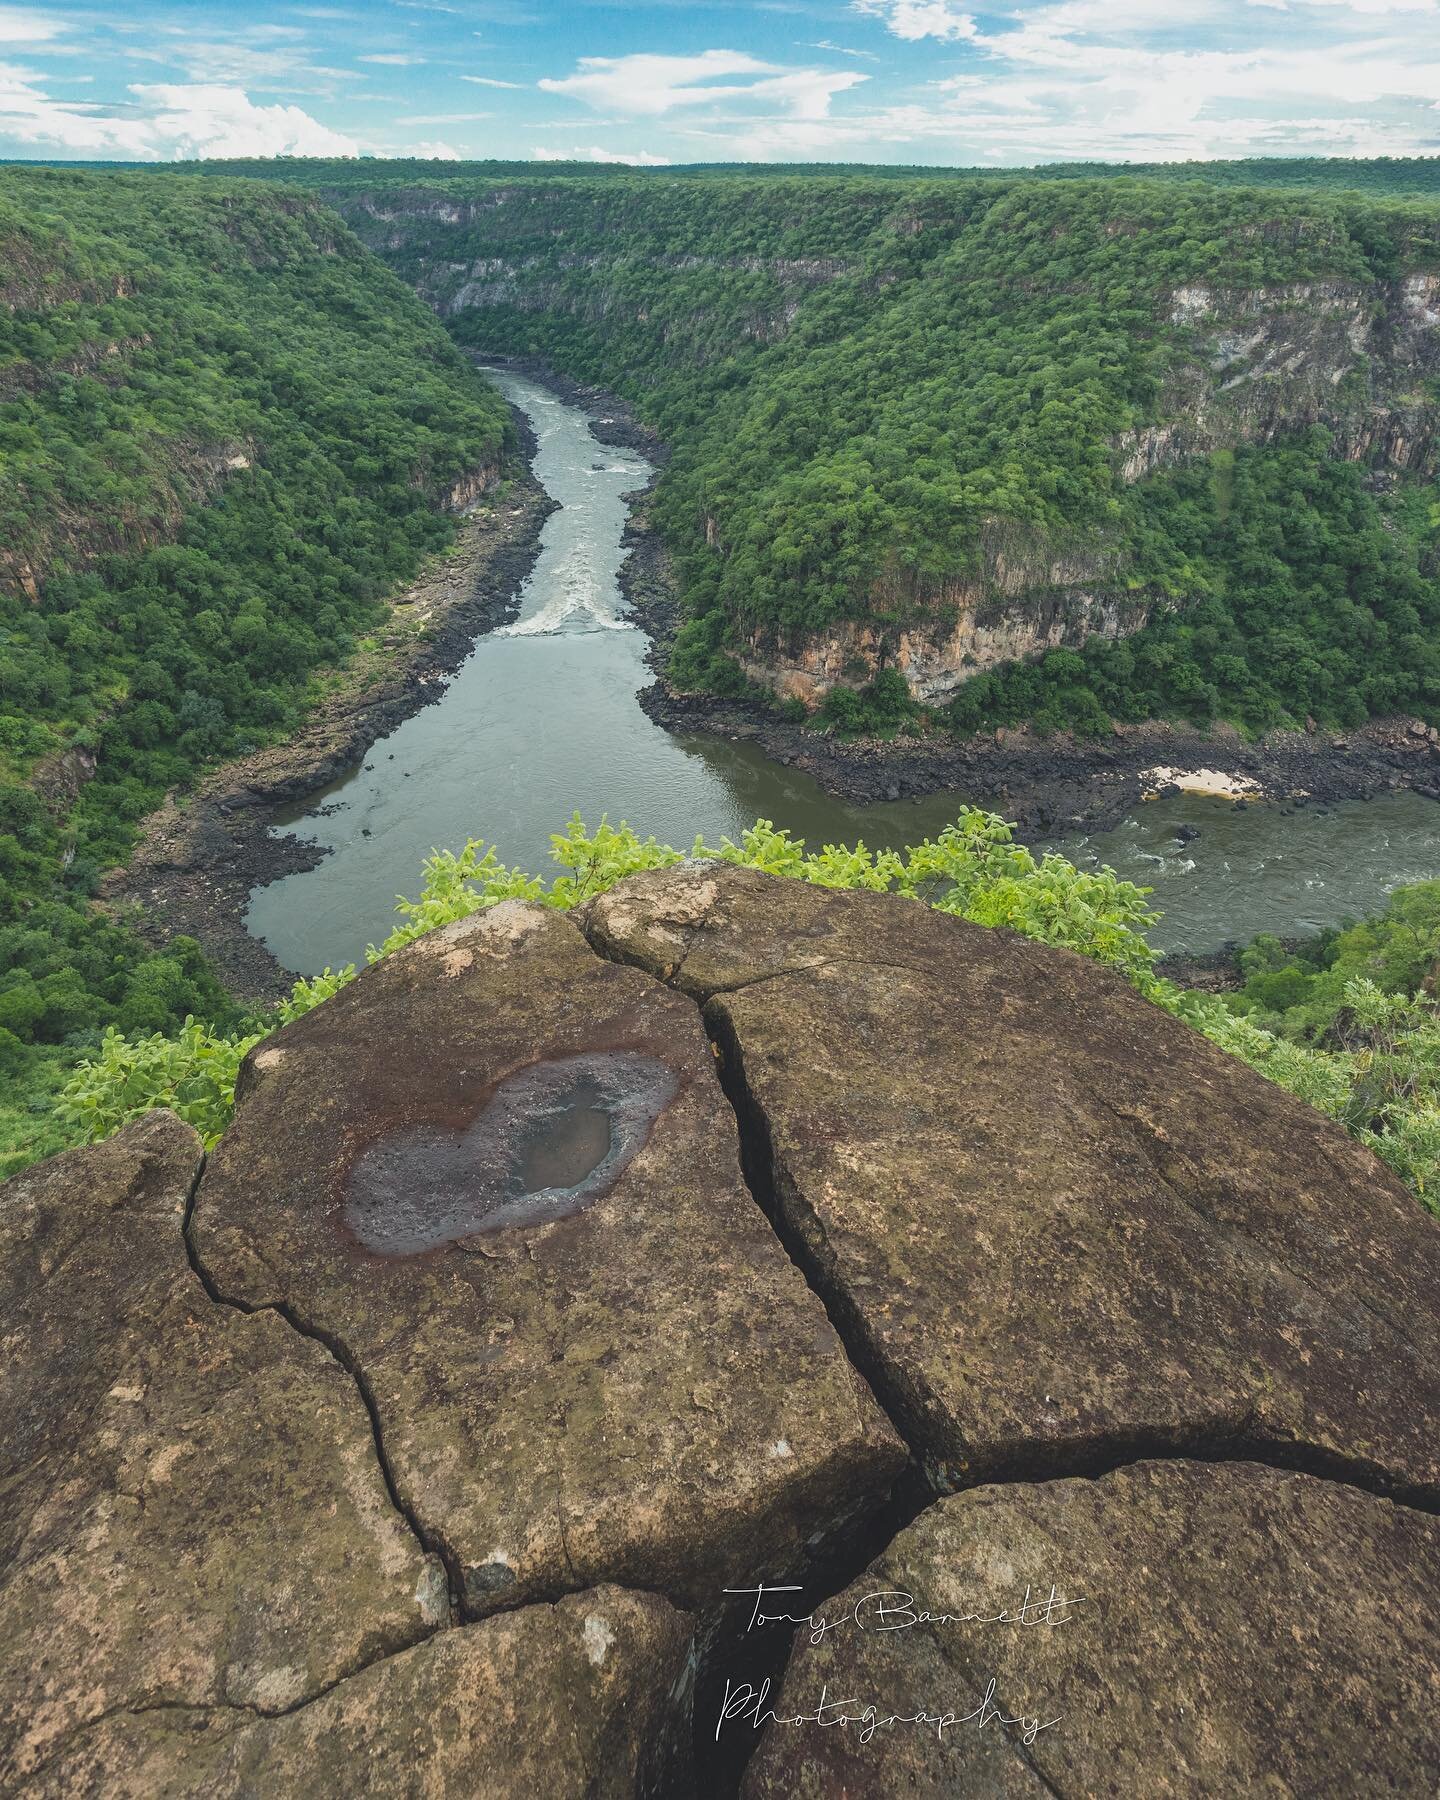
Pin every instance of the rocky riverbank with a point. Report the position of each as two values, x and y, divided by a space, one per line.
203 852
1045 785
1060 783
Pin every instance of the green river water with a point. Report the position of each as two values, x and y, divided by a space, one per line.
542 719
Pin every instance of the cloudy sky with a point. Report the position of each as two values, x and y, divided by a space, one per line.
671 81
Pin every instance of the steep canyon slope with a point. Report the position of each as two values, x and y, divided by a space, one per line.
935 427
227 434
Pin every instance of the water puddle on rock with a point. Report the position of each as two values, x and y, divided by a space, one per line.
551 1141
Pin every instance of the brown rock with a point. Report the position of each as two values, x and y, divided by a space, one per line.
587 1697
1058 1227
629 1381
1214 1629
191 1506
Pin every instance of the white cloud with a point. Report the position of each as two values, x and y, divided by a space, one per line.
444 118
648 85
392 60
1126 80
916 19
164 123
277 68
21 25
839 50
209 120
490 81
637 159
432 152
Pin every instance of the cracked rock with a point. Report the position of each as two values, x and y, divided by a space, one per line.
589 1697
589 1357
191 1508
1192 1629
1058 1228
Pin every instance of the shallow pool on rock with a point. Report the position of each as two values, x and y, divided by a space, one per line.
552 1139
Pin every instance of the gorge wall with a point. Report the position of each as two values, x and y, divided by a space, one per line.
128 407
1207 327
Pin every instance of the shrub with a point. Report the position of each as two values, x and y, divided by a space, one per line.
1381 1078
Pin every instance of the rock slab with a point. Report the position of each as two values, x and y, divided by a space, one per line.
1192 1629
191 1506
1058 1227
584 1700
631 1384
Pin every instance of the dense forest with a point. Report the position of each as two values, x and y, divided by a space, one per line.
860 379
226 434
1371 175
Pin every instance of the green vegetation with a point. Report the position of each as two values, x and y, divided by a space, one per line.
225 435
1375 1067
877 391
1290 590
1370 175
1362 996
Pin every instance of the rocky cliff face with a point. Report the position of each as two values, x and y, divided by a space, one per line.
563 1273
78 537
1027 595
1248 366
1253 367
1263 363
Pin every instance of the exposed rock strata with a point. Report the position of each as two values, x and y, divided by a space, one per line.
1026 595
1226 1629
585 1698
1258 366
191 1508
1059 1227
643 1391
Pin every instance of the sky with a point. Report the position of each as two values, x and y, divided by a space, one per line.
651 82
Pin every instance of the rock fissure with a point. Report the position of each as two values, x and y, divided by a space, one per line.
1042 1292
907 1164
1087 1460
429 1541
760 1168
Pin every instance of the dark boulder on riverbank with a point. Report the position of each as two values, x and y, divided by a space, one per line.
564 1272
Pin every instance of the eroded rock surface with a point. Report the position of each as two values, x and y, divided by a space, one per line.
1217 1629
631 1384
585 1698
193 1513
1059 1227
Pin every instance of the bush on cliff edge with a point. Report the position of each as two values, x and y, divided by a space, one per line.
1381 1079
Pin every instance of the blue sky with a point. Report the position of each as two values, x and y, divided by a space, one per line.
667 81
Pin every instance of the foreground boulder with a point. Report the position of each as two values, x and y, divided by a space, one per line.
1058 1227
588 1698
499 1175
191 1508
1191 1629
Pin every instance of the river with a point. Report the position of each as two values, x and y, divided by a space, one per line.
542 719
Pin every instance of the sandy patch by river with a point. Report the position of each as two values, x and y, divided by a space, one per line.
1215 784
